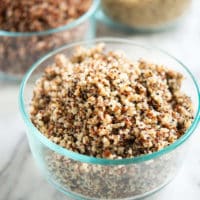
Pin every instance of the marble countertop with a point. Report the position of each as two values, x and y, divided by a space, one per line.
19 177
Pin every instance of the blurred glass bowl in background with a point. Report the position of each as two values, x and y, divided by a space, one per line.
19 50
145 15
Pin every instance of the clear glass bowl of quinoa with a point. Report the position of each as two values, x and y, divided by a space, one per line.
143 15
30 29
108 118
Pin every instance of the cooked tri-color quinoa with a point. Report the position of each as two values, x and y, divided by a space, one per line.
103 104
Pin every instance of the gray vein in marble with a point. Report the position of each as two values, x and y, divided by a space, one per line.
12 173
10 161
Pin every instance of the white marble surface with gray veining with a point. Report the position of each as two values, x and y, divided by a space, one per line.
19 177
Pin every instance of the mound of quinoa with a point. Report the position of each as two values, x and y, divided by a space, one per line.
104 105
38 15
145 13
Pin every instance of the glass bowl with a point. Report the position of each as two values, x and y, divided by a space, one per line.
84 177
19 50
145 15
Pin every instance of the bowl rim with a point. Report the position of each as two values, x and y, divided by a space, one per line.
76 22
89 159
